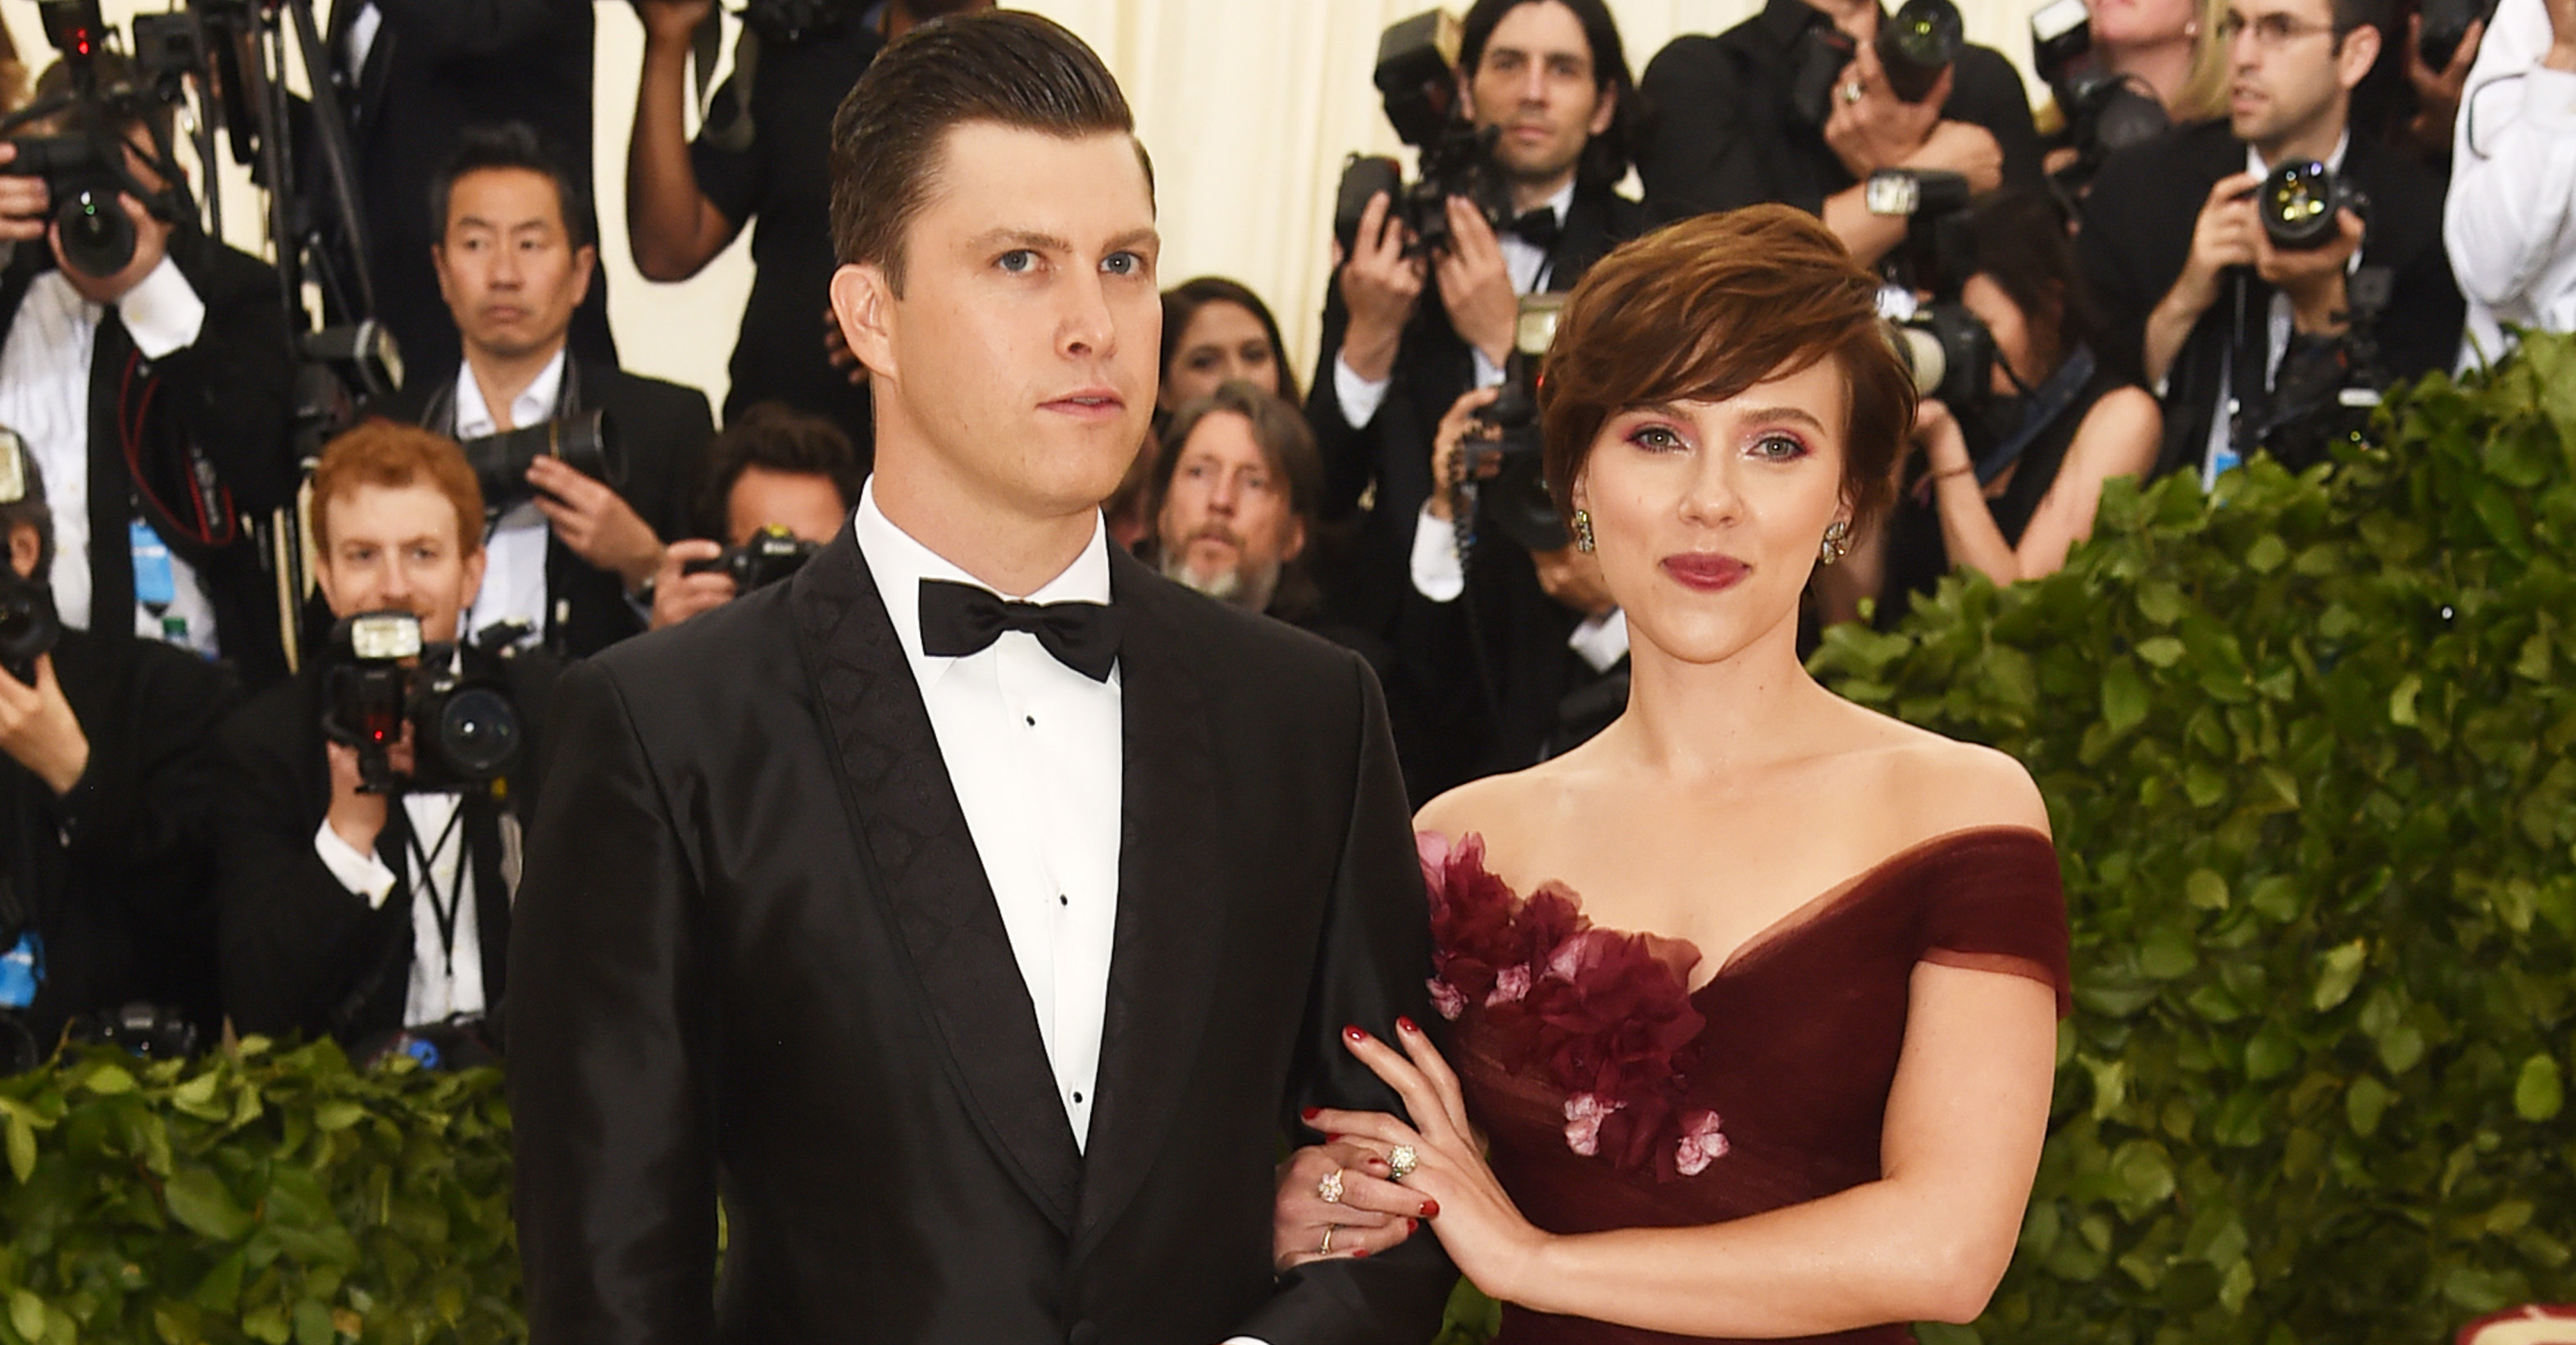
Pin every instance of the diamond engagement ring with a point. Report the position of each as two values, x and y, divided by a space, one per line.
1329 1189
1402 1160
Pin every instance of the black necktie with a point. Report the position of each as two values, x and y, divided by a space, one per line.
1538 228
962 619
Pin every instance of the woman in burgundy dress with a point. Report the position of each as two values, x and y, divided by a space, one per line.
1754 996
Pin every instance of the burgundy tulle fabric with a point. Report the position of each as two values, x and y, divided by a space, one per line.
1794 1051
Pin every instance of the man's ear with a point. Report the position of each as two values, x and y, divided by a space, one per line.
1607 112
863 303
24 548
473 586
585 264
2359 52
438 266
1296 539
1467 96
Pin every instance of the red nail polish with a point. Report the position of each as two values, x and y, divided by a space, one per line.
1332 1139
1312 1112
1431 1209
1354 1033
1359 1253
1410 1225
1406 1025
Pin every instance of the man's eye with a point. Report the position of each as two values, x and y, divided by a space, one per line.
1018 261
1123 264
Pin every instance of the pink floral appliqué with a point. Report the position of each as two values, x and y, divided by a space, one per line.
1603 1015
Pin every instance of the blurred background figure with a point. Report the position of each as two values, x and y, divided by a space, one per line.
1215 331
777 484
2510 222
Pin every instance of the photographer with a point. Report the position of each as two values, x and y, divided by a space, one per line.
105 887
513 263
2510 222
154 395
2200 302
346 910
772 470
761 154
1795 105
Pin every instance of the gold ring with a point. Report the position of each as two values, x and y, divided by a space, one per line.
1402 1160
1327 1248
1329 1189
1851 91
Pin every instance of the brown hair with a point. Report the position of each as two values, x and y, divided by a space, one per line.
1702 310
380 452
1004 66
776 438
1280 430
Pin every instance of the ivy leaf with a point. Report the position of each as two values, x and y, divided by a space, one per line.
2340 973
26 1314
198 1200
2538 1092
22 1147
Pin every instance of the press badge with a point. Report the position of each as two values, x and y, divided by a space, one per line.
154 585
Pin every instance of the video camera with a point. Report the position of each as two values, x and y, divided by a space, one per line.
1514 499
1914 45
772 554
84 168
586 443
384 679
1946 348
1417 76
2102 111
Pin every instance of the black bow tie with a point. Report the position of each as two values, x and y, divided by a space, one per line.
1538 228
962 619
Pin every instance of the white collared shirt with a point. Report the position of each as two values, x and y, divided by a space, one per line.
514 575
446 969
1034 751
2220 456
1525 261
45 397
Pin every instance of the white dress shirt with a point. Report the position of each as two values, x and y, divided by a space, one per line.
514 571
1034 751
45 397
2509 222
2221 456
446 969
1528 265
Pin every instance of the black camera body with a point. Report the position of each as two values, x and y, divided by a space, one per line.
2299 204
1508 465
2446 26
786 21
384 679
1416 77
1947 349
98 237
587 443
772 554
29 625
84 167
1914 45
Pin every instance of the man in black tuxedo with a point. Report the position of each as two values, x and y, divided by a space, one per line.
570 554
105 883
412 76
156 399
979 953
2196 302
1552 77
345 911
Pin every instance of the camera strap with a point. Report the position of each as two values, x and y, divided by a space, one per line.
442 907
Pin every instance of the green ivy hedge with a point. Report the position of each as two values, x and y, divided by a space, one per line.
2306 747
263 1196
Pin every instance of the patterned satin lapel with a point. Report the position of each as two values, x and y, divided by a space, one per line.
925 869
1171 877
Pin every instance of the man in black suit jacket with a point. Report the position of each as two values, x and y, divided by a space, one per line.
2195 300
103 860
157 395
1552 76
413 75
570 554
982 970
343 911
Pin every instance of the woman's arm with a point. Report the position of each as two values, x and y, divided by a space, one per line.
1929 1240
2118 438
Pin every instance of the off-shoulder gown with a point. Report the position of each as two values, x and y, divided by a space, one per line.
1616 1096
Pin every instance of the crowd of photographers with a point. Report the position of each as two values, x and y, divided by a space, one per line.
285 796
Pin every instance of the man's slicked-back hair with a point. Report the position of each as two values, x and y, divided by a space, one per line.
1008 67
511 145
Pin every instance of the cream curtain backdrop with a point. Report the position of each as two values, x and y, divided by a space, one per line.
1247 106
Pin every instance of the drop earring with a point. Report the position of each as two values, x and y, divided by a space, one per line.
1837 542
1583 531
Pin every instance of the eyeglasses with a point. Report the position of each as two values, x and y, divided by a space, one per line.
2271 31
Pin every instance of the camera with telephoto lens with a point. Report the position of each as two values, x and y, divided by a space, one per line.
29 625
586 443
2446 26
341 369
2102 111
383 678
2299 204
772 554
84 167
1513 499
1914 45
1417 78
1947 349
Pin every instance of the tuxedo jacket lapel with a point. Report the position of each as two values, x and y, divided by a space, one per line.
1163 964
927 874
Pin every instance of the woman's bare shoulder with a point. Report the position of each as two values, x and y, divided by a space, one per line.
1505 804
1930 784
